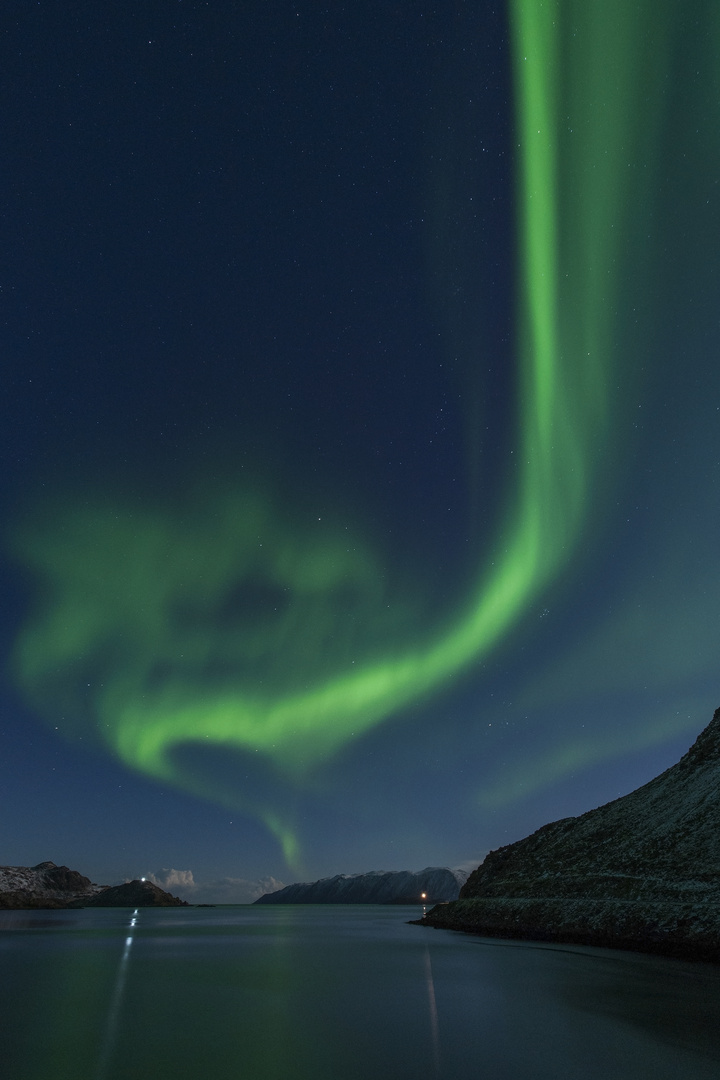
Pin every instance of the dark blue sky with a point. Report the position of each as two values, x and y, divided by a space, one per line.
276 245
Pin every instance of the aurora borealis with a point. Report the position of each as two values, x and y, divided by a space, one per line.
308 549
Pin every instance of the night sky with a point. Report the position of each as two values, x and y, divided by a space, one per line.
360 426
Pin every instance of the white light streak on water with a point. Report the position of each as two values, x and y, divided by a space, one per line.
434 1026
111 1027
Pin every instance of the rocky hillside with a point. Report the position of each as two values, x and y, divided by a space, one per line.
376 887
133 894
49 886
43 886
640 872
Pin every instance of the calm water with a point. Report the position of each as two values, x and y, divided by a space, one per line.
351 993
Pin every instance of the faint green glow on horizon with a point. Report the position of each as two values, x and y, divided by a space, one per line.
574 754
127 637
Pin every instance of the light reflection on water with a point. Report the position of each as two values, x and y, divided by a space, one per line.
352 993
434 1025
111 1028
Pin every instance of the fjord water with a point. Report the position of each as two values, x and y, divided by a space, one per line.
352 993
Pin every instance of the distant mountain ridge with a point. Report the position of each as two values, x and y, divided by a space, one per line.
47 885
641 872
438 883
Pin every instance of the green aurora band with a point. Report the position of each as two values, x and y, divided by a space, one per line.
122 639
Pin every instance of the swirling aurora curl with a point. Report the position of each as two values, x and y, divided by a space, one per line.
118 639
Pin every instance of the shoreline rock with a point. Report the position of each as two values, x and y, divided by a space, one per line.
676 930
133 894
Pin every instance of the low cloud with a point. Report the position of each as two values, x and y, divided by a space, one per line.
225 890
173 879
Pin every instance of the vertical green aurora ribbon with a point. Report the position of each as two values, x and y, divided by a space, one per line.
586 74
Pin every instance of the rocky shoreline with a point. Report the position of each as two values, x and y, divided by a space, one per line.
641 873
677 930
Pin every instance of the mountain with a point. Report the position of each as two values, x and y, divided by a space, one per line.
43 886
49 886
641 872
376 887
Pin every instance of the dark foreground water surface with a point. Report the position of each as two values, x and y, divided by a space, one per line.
352 993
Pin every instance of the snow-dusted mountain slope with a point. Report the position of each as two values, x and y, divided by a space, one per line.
376 887
44 885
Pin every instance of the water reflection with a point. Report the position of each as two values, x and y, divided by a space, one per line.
434 1030
314 993
111 1028
680 1008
